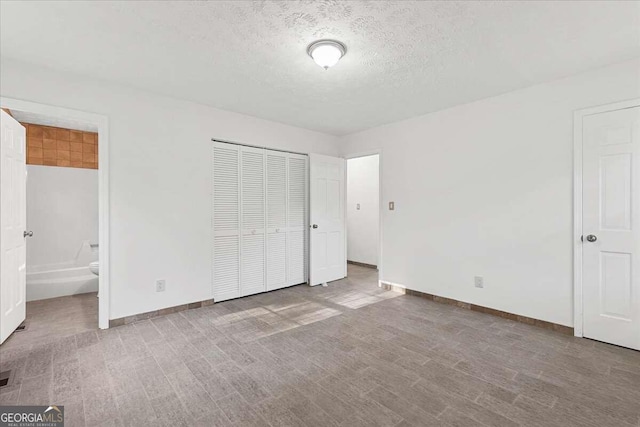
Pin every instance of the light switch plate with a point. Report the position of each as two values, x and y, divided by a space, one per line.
392 206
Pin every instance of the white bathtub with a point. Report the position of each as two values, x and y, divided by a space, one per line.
59 281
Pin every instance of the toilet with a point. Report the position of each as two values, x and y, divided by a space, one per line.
94 267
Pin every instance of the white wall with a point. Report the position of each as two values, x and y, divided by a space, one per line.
363 224
62 212
486 189
160 155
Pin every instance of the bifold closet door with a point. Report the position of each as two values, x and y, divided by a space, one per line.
297 223
259 220
276 219
226 221
252 202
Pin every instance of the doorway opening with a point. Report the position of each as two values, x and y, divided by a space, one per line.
62 207
363 218
61 233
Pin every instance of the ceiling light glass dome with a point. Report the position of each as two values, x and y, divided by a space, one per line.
326 53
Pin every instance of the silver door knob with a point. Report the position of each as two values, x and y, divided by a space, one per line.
27 234
592 238
314 226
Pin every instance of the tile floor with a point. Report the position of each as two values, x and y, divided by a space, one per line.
350 354
51 319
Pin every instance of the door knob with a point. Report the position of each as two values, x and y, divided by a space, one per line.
314 226
592 238
27 234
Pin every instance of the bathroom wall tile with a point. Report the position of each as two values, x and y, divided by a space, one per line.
34 152
34 142
35 160
62 134
48 133
52 146
49 154
34 131
75 136
88 137
49 144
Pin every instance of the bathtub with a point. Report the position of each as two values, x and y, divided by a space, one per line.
51 282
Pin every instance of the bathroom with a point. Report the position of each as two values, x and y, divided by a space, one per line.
61 224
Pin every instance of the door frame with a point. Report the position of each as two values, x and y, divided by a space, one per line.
102 123
373 152
578 116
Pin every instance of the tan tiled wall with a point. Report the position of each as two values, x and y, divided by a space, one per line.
51 146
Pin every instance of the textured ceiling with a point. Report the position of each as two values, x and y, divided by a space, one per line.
404 58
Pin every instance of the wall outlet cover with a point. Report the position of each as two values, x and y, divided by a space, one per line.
160 285
392 206
478 281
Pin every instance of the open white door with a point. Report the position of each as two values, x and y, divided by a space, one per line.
13 179
611 227
327 191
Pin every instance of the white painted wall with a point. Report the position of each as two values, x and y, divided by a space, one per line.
363 224
62 212
160 166
486 189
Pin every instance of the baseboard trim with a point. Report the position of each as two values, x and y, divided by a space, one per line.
162 312
473 307
362 264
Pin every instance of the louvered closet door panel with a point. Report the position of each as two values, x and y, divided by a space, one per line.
226 221
276 219
297 219
252 172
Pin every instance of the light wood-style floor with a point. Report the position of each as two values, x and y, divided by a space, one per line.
50 319
350 354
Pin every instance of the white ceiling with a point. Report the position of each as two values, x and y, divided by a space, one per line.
40 119
404 58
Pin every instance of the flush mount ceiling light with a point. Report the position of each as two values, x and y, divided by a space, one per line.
326 53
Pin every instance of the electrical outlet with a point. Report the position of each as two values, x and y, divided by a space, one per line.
160 285
358 206
392 206
479 281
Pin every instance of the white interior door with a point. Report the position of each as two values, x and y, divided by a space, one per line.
611 227
13 218
327 191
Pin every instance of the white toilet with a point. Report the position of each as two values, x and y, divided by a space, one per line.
94 267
